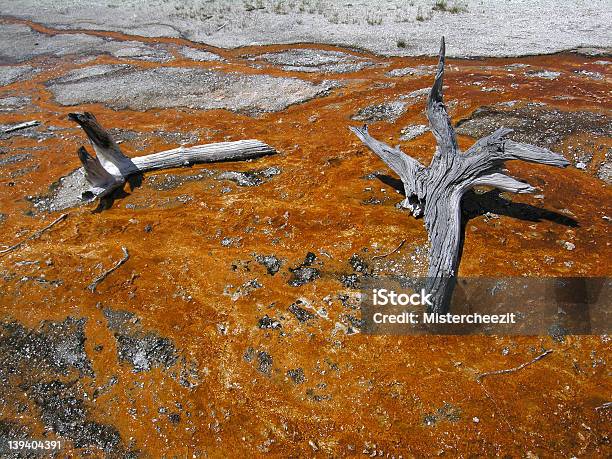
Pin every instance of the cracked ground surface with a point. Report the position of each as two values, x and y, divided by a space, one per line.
233 328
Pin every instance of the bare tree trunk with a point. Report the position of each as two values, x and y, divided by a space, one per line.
110 168
435 192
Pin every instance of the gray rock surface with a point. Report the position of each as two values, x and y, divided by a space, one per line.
167 87
605 169
13 103
545 74
316 60
413 71
389 111
19 43
199 55
481 28
10 74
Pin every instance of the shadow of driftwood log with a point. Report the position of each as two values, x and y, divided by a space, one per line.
477 204
106 202
393 182
474 205
134 181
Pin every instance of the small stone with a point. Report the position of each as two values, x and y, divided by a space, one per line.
358 264
309 259
303 275
476 420
582 166
264 362
296 375
270 262
300 313
269 323
557 333
381 112
569 246
545 74
413 131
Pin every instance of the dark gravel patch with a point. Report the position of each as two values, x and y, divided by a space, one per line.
360 269
270 262
241 178
54 347
389 111
145 349
14 431
304 273
249 178
350 280
165 182
358 264
296 375
533 124
545 127
269 323
249 355
64 411
264 363
142 349
446 412
300 313
34 364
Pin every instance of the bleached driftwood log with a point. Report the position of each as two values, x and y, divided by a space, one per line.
435 192
110 168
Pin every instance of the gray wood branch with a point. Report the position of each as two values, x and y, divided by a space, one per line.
439 120
110 168
435 192
412 173
18 127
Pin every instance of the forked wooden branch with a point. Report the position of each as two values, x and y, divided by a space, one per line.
110 168
435 192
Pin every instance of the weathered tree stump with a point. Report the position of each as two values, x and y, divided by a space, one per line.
110 168
435 192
